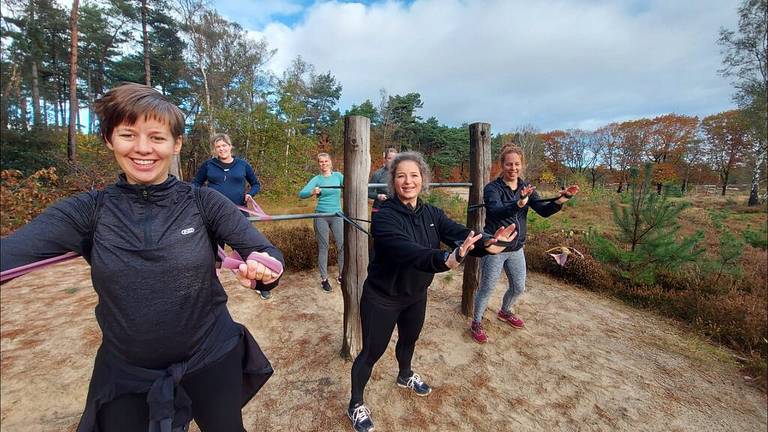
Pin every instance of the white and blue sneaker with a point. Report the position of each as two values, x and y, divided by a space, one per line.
414 383
361 418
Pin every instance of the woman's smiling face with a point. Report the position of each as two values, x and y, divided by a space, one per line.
144 150
408 182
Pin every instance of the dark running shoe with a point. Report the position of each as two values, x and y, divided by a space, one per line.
361 418
414 383
326 286
339 279
265 295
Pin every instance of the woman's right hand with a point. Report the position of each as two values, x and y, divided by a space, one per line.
316 191
525 194
467 245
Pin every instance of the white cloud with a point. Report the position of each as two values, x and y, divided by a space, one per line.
552 64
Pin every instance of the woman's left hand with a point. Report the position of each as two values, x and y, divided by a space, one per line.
502 234
253 270
568 193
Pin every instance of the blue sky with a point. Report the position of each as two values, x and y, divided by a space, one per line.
550 64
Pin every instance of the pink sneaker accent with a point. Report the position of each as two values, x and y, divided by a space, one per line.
477 332
511 319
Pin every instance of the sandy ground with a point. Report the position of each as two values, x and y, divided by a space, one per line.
584 362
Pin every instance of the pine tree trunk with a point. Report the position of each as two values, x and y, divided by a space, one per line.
91 113
36 117
147 71
73 104
24 109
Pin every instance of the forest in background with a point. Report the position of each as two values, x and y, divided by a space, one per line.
700 260
216 72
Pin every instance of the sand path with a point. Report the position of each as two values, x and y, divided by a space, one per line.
585 362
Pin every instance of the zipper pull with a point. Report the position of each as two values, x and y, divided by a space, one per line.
145 194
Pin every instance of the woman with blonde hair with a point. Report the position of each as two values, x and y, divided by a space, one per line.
507 200
328 201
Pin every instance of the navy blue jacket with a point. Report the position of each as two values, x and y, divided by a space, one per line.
501 209
230 182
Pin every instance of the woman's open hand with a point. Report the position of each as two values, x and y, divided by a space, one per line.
467 245
502 234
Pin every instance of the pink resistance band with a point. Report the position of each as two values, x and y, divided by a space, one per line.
231 261
22 270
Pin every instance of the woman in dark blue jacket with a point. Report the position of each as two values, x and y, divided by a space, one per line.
226 173
507 200
170 350
407 234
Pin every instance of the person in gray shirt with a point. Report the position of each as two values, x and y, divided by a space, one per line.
379 195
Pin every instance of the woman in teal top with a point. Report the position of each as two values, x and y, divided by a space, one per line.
328 201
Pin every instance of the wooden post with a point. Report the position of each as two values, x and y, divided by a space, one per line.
479 175
357 164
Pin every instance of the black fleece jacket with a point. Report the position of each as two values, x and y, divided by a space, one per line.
501 209
407 250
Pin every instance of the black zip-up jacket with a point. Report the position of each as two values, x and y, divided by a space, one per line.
152 262
501 209
407 250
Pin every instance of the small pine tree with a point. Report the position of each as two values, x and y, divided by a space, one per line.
648 228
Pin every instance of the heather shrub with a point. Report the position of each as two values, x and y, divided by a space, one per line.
298 245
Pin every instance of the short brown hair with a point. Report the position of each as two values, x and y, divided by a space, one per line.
126 102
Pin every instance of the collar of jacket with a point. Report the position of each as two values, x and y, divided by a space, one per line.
502 184
151 193
397 205
216 161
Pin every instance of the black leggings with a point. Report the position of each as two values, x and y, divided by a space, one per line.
378 323
215 391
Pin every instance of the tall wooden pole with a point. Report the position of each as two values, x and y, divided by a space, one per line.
357 165
479 175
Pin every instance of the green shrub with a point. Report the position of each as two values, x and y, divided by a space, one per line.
758 239
537 224
31 151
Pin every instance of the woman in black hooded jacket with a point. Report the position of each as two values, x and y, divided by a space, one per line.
407 233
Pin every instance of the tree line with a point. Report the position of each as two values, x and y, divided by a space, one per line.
56 62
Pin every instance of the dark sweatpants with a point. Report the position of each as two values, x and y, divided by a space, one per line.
378 323
215 391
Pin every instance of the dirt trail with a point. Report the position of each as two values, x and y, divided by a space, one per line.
584 362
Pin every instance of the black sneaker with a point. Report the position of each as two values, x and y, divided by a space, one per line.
361 418
415 383
265 295
326 286
339 279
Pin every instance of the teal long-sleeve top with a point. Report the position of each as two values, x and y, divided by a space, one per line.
329 200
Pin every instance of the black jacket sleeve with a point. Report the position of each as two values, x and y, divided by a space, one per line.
453 233
543 209
229 225
63 227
